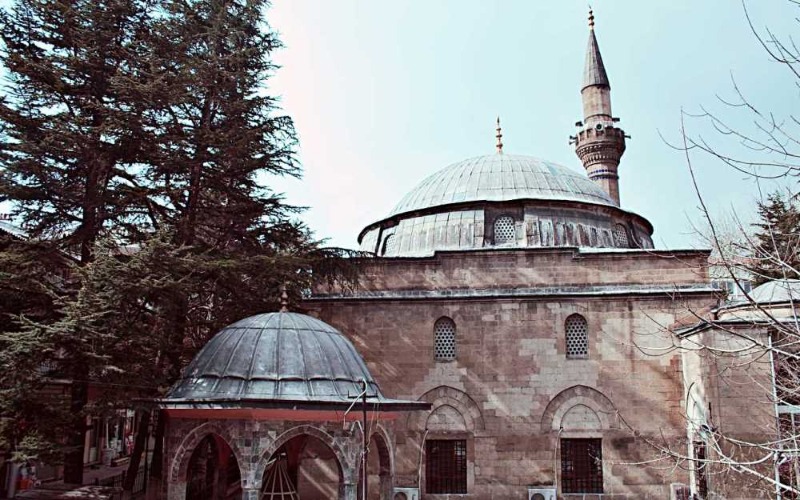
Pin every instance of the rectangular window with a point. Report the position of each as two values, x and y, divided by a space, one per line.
445 466
700 469
581 466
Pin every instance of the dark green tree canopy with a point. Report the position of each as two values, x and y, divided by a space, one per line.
138 142
776 245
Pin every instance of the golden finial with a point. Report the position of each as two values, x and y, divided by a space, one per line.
591 18
284 299
499 137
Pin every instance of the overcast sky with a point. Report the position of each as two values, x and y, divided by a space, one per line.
385 93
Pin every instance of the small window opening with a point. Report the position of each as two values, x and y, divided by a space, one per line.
620 236
444 340
505 232
577 336
389 245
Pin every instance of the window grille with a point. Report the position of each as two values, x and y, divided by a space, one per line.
787 380
789 474
446 466
681 492
505 232
577 336
700 469
620 236
581 466
389 245
444 340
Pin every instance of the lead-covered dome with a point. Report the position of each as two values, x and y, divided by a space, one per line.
773 301
504 200
501 177
776 291
273 357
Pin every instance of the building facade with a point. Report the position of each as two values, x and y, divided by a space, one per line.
525 312
523 302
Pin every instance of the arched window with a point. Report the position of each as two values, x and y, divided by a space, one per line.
444 340
577 336
620 236
504 231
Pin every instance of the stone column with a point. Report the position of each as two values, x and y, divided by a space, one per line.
386 488
176 490
250 493
348 491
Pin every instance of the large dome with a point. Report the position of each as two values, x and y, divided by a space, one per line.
504 200
279 356
501 177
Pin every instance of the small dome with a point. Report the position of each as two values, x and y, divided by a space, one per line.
273 357
502 177
776 291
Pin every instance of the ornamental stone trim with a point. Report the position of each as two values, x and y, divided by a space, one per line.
180 461
342 447
576 395
449 396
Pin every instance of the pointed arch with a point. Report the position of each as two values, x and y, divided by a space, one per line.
180 461
584 398
348 466
455 398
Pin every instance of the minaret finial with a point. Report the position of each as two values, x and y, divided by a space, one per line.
284 299
591 18
499 137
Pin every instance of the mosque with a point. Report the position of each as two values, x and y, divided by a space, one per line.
510 338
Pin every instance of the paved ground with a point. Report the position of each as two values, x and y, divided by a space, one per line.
54 489
103 472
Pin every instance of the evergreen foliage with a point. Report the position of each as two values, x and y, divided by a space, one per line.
776 245
138 142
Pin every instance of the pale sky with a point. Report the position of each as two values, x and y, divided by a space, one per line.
384 94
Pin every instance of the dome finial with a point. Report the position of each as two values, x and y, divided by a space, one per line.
284 299
499 137
591 18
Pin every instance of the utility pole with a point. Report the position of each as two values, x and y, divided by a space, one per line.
364 445
146 451
365 448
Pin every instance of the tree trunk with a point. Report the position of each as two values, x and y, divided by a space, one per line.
158 448
73 458
138 449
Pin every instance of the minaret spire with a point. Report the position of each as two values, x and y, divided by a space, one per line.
594 72
599 143
499 137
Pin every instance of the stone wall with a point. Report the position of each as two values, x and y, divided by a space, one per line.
512 394
549 269
728 378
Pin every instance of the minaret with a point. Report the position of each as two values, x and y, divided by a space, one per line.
599 143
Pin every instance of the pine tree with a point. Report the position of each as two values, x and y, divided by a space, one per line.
776 248
70 137
218 138
138 138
